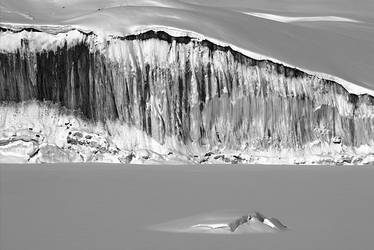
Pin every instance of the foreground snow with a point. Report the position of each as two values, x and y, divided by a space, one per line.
103 206
180 19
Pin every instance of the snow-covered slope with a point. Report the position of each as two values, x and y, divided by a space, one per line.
344 50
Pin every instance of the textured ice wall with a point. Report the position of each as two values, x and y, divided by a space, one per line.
195 91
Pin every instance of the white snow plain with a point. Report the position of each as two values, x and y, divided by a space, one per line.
103 206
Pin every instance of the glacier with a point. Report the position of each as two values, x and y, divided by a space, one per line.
153 96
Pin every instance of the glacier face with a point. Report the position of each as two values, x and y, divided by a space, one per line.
203 96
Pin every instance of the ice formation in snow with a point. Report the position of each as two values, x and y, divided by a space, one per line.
182 95
223 223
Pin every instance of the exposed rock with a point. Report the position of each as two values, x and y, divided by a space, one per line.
127 159
236 223
217 157
337 140
89 140
258 216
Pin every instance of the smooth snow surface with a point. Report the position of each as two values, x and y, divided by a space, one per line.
75 207
341 51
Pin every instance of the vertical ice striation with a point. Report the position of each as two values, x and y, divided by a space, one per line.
194 91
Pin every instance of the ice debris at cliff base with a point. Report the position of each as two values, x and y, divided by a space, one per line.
46 133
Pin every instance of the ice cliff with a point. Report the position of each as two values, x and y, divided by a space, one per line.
191 96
